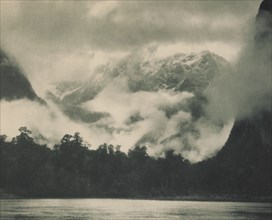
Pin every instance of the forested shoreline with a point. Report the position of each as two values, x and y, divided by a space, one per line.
73 169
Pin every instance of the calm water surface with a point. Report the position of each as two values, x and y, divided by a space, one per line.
120 209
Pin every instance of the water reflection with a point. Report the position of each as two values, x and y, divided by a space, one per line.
122 209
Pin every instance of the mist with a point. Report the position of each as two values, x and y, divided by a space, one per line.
160 119
47 123
142 117
247 91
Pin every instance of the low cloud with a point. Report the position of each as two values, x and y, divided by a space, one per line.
198 140
47 123
132 115
247 90
63 40
54 40
152 127
122 25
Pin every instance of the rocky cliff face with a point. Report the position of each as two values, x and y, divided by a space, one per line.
244 164
263 25
180 72
254 133
14 84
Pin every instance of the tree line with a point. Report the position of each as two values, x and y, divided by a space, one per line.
73 169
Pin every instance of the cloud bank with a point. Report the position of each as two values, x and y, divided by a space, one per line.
66 40
53 40
123 25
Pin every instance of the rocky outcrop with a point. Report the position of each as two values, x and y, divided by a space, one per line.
244 165
14 84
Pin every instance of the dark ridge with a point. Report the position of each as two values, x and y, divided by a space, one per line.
244 165
266 5
14 84
263 25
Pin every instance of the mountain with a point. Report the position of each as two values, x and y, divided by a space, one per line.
14 84
263 26
180 72
244 165
192 72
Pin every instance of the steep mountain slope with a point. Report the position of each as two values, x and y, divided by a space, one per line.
180 72
14 84
244 165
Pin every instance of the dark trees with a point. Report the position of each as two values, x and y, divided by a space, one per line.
72 169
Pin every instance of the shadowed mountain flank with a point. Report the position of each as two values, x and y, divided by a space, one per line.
14 84
244 163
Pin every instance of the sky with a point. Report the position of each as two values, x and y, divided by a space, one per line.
53 40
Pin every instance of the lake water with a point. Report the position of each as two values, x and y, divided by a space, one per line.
119 209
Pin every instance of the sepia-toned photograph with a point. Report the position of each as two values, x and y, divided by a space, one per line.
136 110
